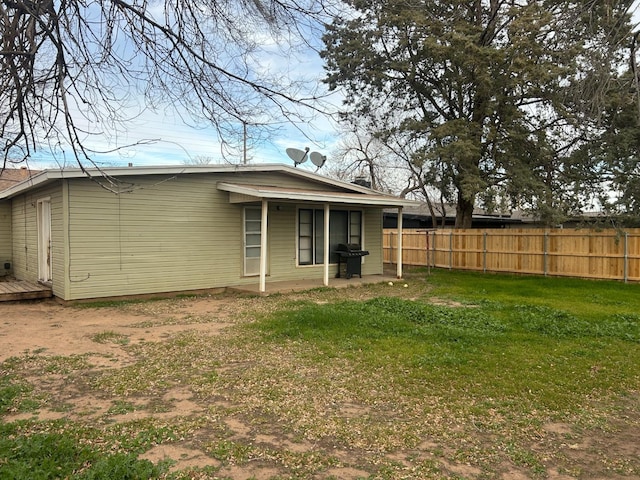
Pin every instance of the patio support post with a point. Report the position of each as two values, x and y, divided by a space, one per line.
263 246
326 245
399 253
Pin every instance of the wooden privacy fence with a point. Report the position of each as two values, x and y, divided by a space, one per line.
605 254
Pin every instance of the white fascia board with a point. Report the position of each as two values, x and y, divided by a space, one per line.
33 181
46 176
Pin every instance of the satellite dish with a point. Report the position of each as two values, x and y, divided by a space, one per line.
317 159
298 156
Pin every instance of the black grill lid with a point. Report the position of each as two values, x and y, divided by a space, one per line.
348 247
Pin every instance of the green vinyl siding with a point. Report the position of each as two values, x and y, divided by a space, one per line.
25 236
281 234
5 235
166 235
372 242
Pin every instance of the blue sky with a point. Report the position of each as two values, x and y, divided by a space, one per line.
170 138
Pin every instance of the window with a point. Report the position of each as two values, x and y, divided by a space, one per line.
305 237
345 226
252 237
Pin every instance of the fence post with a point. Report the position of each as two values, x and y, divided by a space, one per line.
427 253
484 253
433 246
626 257
450 250
545 253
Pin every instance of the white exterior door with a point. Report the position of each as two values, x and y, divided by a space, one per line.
44 239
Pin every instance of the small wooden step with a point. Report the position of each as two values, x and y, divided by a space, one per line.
13 290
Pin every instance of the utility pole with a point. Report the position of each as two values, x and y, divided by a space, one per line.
244 138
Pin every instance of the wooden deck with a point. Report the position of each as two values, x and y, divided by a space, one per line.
13 290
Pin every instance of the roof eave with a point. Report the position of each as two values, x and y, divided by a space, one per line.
46 176
244 194
35 180
372 197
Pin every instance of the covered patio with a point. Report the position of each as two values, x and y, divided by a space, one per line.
243 194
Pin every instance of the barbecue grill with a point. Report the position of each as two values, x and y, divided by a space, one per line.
351 255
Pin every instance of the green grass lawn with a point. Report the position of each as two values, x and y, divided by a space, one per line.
542 343
459 375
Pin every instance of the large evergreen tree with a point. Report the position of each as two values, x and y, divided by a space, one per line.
608 164
495 94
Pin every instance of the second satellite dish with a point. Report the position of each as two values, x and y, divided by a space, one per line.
298 156
318 159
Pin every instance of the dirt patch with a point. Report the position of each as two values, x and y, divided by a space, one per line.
183 457
46 326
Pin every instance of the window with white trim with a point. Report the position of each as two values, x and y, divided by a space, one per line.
252 240
345 226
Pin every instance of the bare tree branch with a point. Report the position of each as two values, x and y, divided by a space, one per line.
73 69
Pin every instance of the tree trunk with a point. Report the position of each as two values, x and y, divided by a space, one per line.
464 212
434 218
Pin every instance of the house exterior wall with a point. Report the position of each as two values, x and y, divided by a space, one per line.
5 236
374 262
170 233
180 233
25 236
163 236
23 221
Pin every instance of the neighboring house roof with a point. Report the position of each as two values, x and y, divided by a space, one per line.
10 177
349 193
450 211
481 218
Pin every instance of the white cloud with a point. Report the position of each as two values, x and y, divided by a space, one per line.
166 138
